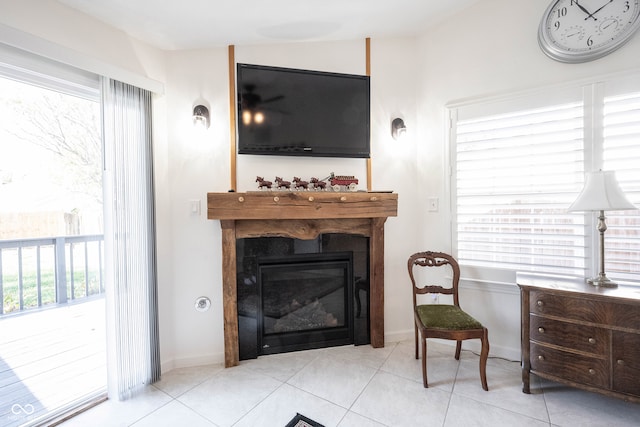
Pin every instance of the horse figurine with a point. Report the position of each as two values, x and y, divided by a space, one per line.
317 184
262 183
300 183
283 184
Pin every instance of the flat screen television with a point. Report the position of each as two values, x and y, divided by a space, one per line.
291 112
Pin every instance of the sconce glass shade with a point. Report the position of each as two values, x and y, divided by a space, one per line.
398 128
201 116
601 192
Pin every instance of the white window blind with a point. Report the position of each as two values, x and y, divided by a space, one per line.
621 152
515 175
517 165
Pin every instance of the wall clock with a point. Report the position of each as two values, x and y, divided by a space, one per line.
583 30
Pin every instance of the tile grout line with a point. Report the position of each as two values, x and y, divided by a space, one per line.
378 370
453 386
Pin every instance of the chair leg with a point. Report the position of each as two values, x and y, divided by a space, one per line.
484 354
458 349
415 327
424 362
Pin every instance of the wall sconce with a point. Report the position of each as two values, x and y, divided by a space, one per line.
201 116
601 193
398 128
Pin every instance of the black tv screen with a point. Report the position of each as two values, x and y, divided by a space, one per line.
290 112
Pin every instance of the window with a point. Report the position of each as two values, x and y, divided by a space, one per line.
519 162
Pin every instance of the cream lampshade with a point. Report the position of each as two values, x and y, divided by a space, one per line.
601 193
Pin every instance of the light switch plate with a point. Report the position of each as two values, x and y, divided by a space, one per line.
432 204
194 207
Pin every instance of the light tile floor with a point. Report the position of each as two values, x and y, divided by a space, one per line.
359 387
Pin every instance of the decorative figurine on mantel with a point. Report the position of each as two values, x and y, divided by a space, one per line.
262 184
318 184
282 183
300 184
336 183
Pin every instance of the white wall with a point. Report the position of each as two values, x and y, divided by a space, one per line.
200 164
189 164
488 49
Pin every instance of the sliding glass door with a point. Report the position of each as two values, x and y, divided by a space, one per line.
52 286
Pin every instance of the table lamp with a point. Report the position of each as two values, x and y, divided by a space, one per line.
601 193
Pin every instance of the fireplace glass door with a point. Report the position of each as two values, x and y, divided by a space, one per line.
306 301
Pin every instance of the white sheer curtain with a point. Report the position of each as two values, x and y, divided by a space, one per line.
132 309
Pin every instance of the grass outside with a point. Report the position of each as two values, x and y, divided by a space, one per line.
11 288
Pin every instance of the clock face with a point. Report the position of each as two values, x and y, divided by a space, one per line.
584 30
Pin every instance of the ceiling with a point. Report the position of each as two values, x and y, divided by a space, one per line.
196 24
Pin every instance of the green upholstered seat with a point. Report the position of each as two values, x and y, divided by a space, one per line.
450 317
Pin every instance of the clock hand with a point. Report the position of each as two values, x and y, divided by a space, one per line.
590 15
598 10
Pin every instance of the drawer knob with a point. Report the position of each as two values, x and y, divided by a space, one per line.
241 199
276 199
541 358
592 371
311 199
343 198
592 340
540 303
620 362
541 330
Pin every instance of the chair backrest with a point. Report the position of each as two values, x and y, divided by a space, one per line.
434 259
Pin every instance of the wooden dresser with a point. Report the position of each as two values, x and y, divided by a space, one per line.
580 335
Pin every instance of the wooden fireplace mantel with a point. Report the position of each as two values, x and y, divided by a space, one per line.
301 215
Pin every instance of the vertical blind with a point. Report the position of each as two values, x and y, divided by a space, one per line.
132 299
518 164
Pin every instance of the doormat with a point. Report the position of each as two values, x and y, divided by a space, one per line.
302 421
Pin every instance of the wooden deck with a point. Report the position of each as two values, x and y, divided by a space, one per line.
50 359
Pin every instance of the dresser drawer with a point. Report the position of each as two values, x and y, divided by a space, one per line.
626 316
580 309
573 367
589 339
626 362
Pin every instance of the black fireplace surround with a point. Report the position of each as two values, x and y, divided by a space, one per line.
302 294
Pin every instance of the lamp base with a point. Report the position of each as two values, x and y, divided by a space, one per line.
602 281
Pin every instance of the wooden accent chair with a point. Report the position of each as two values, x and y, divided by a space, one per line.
444 320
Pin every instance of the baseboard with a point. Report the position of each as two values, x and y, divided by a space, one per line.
471 345
390 338
394 337
189 362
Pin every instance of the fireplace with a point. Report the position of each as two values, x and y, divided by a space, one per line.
295 294
306 302
302 216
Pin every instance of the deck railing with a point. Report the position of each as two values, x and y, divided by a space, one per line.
39 272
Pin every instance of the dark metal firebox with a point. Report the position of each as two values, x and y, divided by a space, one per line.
299 294
306 301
